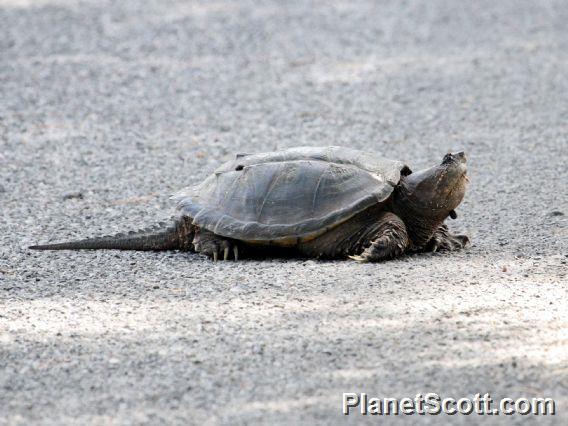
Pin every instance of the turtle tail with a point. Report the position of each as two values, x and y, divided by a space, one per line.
177 236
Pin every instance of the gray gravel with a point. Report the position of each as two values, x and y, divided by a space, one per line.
108 107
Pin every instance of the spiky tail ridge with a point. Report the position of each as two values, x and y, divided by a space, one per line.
177 236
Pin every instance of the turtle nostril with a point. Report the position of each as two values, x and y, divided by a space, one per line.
447 158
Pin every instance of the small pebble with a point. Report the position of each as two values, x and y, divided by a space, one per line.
73 195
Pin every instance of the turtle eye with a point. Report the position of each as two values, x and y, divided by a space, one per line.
447 158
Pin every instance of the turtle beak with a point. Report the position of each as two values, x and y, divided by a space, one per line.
459 158
456 164
462 159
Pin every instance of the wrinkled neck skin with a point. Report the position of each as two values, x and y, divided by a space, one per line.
423 200
420 224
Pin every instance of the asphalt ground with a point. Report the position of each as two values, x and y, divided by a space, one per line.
106 108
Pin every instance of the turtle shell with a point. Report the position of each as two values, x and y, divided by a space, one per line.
290 194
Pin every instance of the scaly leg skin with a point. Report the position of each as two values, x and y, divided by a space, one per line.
215 246
444 241
391 241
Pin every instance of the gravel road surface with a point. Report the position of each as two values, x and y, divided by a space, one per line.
106 108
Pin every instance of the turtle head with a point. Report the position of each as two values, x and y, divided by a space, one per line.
437 191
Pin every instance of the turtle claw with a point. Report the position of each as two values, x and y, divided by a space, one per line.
359 259
443 240
214 246
227 247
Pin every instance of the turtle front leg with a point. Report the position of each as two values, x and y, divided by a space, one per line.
215 246
389 242
443 240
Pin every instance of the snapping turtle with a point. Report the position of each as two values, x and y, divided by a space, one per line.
329 202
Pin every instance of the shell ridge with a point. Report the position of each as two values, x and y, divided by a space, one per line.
316 190
275 178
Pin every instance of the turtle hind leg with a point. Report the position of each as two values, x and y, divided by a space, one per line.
443 240
215 246
390 241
